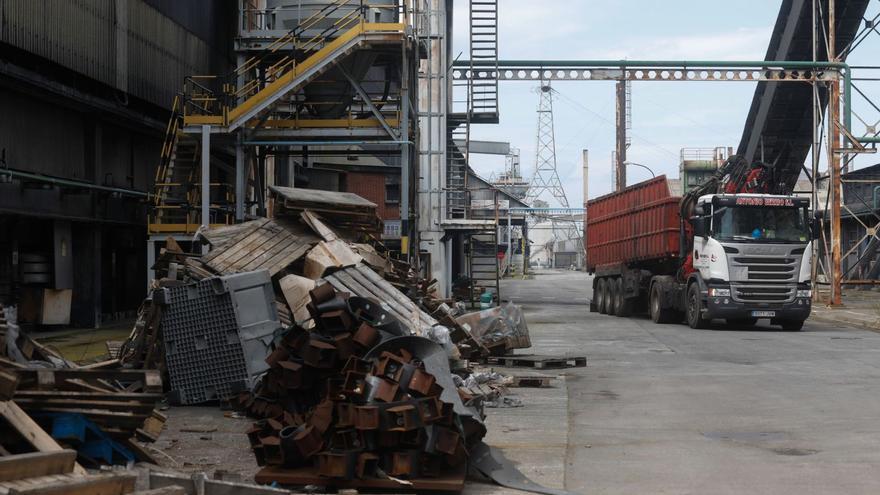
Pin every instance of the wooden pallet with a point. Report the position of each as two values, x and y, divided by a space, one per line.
539 361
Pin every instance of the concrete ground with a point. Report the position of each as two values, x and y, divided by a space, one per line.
668 409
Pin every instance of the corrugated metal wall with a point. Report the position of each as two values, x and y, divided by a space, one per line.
41 137
48 139
125 44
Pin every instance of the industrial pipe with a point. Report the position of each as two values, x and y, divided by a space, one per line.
72 183
840 67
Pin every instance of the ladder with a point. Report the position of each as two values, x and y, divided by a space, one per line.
484 48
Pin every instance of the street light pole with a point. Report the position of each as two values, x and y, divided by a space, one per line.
643 166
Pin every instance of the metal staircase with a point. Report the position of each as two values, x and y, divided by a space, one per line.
458 131
484 48
174 205
289 64
484 267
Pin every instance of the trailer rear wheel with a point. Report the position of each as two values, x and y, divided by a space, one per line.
601 297
694 306
623 305
659 314
611 296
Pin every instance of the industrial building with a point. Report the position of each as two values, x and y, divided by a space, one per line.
84 113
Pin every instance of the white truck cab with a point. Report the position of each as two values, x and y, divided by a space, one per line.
752 255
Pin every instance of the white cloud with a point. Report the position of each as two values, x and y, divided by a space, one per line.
745 43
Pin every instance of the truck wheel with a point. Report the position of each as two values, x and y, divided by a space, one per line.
623 305
600 296
742 322
694 305
792 325
611 296
659 314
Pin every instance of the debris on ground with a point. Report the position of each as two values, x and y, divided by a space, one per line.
501 329
358 374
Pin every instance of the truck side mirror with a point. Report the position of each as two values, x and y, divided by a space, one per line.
700 226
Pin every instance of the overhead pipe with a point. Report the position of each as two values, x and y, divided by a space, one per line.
72 183
840 67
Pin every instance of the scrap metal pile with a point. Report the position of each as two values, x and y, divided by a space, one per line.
356 398
352 364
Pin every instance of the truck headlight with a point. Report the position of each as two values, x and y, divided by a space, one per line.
715 292
805 293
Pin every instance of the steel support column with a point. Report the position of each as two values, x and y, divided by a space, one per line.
206 176
240 174
620 165
834 144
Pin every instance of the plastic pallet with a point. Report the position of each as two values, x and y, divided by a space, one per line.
217 334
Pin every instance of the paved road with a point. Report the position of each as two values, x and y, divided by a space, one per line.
668 409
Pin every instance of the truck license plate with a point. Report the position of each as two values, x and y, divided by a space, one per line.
763 314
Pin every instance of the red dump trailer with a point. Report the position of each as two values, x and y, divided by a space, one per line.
638 225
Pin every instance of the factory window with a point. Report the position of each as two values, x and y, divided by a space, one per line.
392 193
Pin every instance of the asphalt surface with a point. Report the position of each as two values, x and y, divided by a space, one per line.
668 409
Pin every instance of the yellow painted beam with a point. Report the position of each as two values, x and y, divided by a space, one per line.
202 120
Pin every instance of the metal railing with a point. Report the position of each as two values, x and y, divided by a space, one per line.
213 95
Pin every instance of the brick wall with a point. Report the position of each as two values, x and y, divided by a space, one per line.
372 187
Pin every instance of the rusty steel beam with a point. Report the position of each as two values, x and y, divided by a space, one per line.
834 143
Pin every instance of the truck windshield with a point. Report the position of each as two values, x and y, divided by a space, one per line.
760 224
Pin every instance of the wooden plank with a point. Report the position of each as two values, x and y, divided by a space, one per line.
110 363
46 404
30 430
381 293
396 294
220 255
317 225
268 248
351 285
450 482
8 384
244 249
167 490
278 244
145 398
35 464
93 484
283 260
150 378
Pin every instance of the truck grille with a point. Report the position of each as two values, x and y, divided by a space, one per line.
763 293
767 269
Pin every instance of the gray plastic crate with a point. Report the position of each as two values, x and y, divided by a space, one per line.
217 333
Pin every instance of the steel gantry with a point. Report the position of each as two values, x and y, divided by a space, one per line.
833 74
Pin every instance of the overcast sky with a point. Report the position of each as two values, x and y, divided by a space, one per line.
666 116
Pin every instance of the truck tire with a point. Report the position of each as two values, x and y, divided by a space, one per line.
611 296
601 296
659 314
623 305
742 322
694 306
792 325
